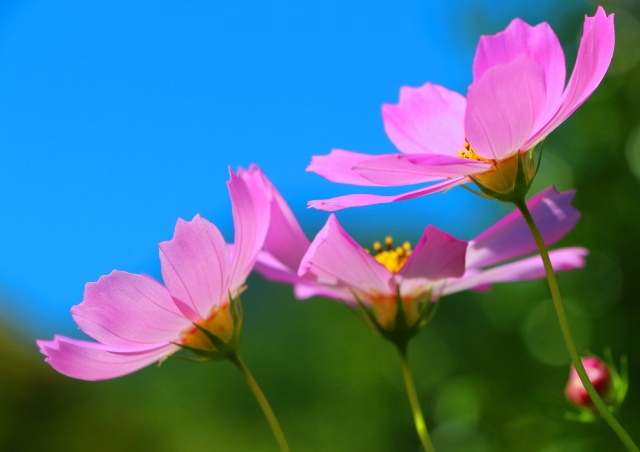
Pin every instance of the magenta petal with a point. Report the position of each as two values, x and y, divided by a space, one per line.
429 119
504 106
343 202
437 255
335 259
337 166
510 237
195 267
520 38
406 169
251 215
124 310
563 259
92 361
594 57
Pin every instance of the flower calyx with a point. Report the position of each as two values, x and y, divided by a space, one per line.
217 337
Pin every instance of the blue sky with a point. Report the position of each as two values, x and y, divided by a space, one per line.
116 118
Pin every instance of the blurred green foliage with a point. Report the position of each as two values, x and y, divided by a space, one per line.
490 369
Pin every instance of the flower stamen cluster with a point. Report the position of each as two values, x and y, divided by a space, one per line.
392 259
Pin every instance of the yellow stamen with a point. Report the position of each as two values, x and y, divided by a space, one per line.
391 258
469 154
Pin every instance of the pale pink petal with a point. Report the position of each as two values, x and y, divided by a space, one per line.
594 57
563 259
343 202
337 166
406 169
93 361
520 38
251 215
503 107
510 237
125 310
429 119
195 267
335 259
437 255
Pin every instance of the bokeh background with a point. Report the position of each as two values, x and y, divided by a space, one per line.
118 118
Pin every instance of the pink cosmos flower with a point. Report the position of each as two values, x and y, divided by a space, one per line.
518 96
335 266
137 321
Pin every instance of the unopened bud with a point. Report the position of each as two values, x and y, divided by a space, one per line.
599 375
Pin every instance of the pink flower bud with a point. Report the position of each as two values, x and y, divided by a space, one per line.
600 377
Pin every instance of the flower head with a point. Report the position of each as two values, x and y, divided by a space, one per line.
518 96
389 277
137 321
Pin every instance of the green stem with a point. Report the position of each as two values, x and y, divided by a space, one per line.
566 332
262 401
421 426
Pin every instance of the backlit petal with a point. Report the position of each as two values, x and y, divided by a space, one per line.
337 166
429 119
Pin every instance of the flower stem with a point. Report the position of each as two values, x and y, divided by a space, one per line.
418 419
262 401
566 332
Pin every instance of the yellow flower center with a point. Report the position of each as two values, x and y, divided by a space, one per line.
392 258
220 323
469 154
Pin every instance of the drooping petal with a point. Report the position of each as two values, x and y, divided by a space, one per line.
594 57
93 361
129 311
437 255
521 39
504 106
510 237
251 215
195 267
429 119
337 166
563 259
406 169
343 202
335 259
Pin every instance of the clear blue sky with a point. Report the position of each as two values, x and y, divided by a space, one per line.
116 118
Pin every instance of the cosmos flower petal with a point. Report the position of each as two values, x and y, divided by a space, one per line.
552 212
343 202
406 169
93 361
251 215
594 56
563 259
334 258
337 166
437 255
538 42
123 309
504 106
195 267
429 119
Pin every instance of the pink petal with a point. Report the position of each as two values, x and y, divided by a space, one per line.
406 169
93 361
428 119
510 237
285 240
503 107
337 166
335 259
251 215
521 39
195 267
437 255
594 57
342 202
125 310
563 259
